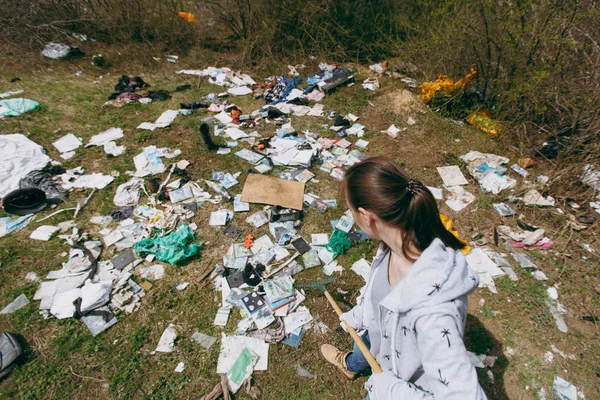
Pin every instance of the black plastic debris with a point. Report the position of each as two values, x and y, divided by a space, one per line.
24 201
183 88
127 84
337 80
123 259
252 274
43 180
301 245
121 214
160 95
193 105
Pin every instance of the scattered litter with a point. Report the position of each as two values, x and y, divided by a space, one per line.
149 161
269 190
180 367
57 51
563 390
31 277
591 177
204 340
67 143
444 84
562 354
489 171
171 248
44 232
222 316
128 194
153 272
232 347
486 269
452 176
218 218
459 198
519 170
393 132
112 149
371 84
109 135
241 369
534 198
165 119
482 119
18 303
503 209
10 93
17 106
304 373
558 310
166 344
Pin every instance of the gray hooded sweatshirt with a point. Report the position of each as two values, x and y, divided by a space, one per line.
422 320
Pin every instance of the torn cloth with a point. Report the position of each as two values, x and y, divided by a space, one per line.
18 158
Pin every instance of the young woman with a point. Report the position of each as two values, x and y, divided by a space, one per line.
414 306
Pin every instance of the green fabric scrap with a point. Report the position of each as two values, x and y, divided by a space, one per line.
339 243
171 248
17 106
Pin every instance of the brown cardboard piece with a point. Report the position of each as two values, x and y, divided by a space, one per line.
274 191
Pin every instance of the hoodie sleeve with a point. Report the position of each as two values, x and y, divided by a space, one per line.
354 317
448 372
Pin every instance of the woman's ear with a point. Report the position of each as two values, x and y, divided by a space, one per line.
366 215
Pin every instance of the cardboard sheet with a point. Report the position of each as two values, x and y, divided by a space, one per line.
274 191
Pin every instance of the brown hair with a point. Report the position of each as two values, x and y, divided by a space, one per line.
381 186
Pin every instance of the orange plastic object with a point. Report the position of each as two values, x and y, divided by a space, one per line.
188 16
526 162
235 116
248 241
444 84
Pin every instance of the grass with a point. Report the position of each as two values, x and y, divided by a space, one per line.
64 361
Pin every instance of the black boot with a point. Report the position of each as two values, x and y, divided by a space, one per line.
206 138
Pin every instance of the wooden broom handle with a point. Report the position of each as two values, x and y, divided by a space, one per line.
357 339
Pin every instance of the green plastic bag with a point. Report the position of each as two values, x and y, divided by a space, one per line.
171 248
339 243
241 369
18 106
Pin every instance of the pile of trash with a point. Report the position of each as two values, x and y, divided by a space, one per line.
109 269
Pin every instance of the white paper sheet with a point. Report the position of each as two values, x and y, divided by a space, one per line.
67 143
232 346
452 176
104 137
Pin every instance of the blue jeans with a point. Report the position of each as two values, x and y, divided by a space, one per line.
355 361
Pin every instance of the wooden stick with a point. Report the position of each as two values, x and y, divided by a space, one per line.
357 339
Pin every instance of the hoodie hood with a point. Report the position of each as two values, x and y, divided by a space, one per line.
440 274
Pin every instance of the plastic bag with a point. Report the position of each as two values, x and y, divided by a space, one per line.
171 248
483 120
17 106
444 84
